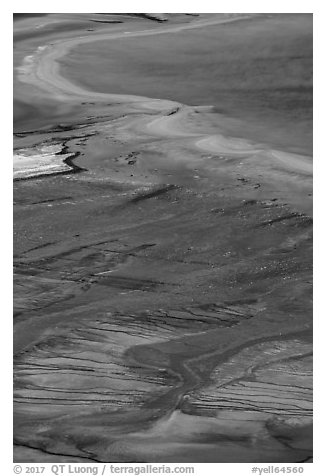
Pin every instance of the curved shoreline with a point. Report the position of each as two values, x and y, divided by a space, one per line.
43 70
188 353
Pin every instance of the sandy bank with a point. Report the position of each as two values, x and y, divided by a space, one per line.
163 295
35 162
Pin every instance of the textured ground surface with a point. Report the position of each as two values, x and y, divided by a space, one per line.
162 276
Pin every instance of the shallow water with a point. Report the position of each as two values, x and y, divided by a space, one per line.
257 70
163 294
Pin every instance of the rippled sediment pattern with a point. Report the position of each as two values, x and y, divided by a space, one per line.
163 281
